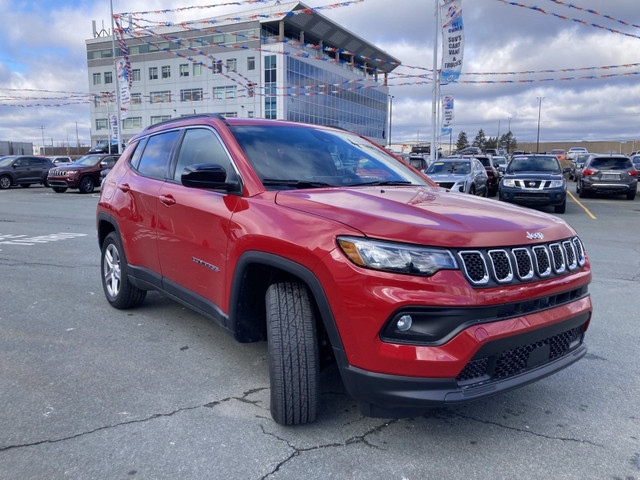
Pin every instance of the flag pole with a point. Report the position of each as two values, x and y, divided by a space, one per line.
434 90
115 81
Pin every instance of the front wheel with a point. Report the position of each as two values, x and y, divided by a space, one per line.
561 208
293 353
120 292
87 184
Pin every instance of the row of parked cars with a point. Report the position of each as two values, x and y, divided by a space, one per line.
59 173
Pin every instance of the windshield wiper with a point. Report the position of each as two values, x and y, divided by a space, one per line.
294 183
383 182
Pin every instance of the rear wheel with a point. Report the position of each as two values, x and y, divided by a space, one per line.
472 190
631 195
5 182
120 292
87 184
580 190
293 353
59 189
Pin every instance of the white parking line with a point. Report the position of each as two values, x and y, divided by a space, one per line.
24 240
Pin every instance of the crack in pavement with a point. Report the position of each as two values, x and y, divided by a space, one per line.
350 441
243 398
524 430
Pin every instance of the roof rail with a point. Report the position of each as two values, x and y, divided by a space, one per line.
187 117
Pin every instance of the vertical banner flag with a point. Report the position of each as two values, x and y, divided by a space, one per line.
123 84
113 124
452 40
447 114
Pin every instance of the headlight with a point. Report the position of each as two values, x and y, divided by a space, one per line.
396 257
508 182
71 172
556 183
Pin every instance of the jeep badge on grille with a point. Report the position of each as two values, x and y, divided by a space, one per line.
535 236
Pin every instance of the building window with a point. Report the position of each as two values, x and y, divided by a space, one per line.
232 64
163 96
159 118
102 124
191 95
97 79
135 74
108 77
224 92
270 101
136 98
250 113
166 71
251 63
184 69
197 69
153 73
217 66
132 122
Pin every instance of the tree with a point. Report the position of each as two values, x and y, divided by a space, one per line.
480 141
491 143
508 142
462 142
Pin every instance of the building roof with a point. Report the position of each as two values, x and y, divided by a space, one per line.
318 28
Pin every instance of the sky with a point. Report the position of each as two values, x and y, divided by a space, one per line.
42 47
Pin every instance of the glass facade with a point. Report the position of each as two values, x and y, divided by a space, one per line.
360 110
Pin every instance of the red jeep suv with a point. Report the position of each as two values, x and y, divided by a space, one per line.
324 245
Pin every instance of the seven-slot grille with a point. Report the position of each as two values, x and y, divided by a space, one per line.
521 264
57 173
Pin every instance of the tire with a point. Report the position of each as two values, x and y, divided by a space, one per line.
631 195
87 184
472 190
5 182
580 190
120 292
293 354
561 208
25 185
485 194
59 189
45 182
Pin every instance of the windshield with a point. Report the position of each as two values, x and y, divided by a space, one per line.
6 161
304 157
534 164
610 164
455 168
88 160
499 160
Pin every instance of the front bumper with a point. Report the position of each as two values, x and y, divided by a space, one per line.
498 366
550 196
67 182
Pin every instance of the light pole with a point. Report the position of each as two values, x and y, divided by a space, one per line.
391 97
539 110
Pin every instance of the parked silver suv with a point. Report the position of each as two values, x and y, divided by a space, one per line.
608 174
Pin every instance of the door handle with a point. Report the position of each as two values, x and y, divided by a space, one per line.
167 200
124 187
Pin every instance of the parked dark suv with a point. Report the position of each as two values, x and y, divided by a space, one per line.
332 249
24 170
534 181
608 174
83 174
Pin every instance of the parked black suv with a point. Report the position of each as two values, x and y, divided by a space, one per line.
103 147
535 180
609 174
24 170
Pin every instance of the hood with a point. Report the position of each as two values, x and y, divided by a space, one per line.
535 176
427 216
447 176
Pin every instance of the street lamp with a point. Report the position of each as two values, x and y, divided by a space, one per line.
539 110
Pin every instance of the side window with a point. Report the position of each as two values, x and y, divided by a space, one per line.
110 161
22 162
135 158
155 158
202 146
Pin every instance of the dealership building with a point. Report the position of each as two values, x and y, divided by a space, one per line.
286 62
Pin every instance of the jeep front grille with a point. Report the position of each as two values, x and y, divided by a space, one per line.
521 264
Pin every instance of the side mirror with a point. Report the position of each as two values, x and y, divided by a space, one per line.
208 175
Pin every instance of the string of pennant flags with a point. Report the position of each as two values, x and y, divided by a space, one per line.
570 19
594 12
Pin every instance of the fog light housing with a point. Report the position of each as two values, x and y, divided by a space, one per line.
404 323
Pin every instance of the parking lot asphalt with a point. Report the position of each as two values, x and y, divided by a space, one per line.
160 392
